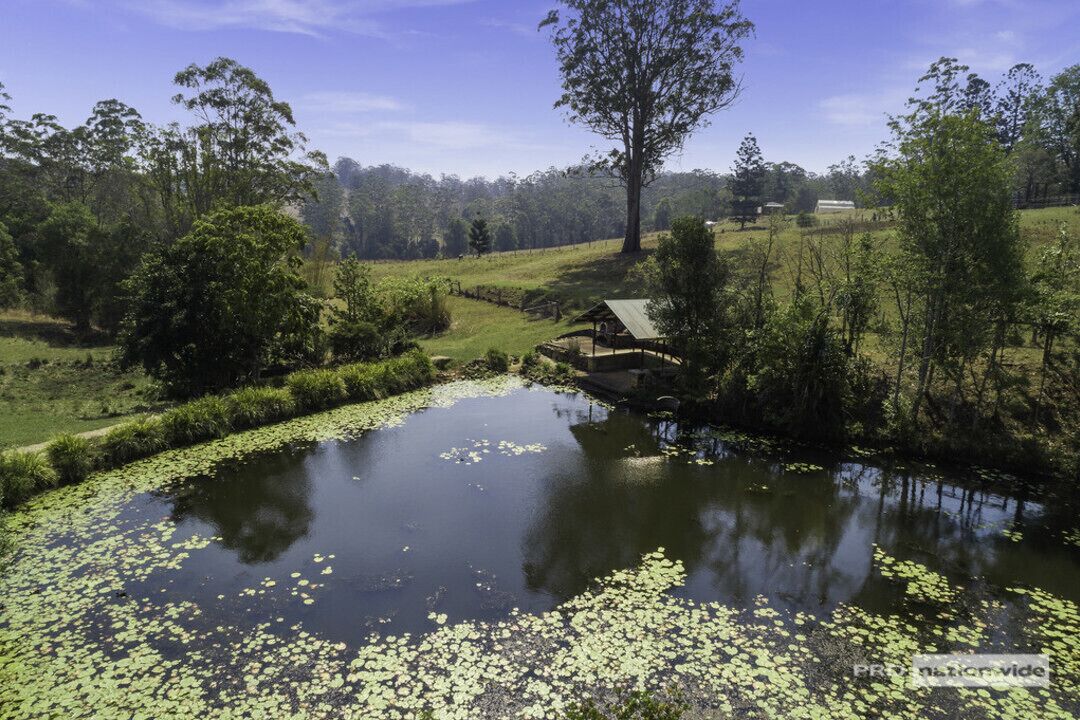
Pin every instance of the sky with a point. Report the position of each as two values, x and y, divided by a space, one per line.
467 87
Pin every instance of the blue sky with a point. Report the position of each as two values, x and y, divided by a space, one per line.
467 86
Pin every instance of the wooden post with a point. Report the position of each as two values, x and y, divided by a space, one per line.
594 337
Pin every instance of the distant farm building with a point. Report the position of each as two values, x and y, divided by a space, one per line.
773 208
834 206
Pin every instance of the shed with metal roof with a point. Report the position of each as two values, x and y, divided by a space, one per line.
631 314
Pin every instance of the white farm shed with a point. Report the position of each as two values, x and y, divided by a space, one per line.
834 206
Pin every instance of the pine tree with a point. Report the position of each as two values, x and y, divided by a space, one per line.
479 237
748 183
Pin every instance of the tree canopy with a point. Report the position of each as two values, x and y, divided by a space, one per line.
645 74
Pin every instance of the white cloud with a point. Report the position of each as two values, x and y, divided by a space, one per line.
343 102
449 134
861 109
517 28
305 17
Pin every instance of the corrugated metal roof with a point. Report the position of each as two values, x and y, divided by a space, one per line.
631 313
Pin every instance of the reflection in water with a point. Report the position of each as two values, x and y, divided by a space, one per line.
259 514
412 535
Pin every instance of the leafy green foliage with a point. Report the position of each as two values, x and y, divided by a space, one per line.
11 271
648 103
223 303
203 419
254 406
688 283
638 705
23 474
132 441
479 237
497 360
243 150
72 457
456 238
964 267
357 340
71 239
797 370
505 238
316 389
748 182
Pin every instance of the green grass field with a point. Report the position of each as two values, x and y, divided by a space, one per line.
50 384
477 326
583 274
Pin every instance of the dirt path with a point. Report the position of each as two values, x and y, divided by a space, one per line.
88 434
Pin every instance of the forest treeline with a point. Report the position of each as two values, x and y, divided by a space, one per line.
79 207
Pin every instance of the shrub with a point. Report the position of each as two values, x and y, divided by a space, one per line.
316 389
530 359
196 421
222 303
22 475
805 220
255 406
497 360
361 382
131 441
356 340
72 457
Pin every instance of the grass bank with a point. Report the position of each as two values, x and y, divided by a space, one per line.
477 326
52 381
70 459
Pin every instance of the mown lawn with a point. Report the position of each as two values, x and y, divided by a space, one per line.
477 326
51 383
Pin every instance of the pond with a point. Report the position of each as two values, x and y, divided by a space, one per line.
509 502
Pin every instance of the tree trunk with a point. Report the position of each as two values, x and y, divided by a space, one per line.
632 241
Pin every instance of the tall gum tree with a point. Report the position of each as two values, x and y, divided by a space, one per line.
645 74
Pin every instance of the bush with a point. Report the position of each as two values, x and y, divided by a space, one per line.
316 389
255 406
203 419
22 475
132 441
361 382
355 340
222 303
805 220
72 457
530 359
497 360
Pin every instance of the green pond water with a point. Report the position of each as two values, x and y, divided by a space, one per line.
492 507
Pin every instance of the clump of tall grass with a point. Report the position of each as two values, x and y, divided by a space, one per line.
24 474
316 389
132 441
255 406
193 422
497 360
362 382
72 457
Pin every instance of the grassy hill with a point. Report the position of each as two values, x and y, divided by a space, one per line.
580 275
